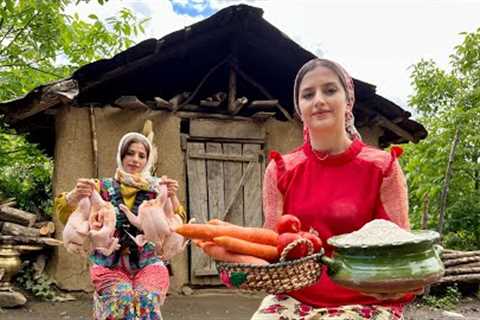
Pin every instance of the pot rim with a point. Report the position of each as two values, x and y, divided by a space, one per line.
421 236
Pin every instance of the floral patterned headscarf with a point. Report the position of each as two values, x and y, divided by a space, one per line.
347 84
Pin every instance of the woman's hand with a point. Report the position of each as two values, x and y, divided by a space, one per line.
83 189
172 185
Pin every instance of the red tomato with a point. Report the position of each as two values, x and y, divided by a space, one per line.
316 241
299 251
288 223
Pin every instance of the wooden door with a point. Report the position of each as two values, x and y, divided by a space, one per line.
224 182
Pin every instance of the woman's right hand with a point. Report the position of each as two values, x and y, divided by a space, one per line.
83 189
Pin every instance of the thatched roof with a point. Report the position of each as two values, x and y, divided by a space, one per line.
265 59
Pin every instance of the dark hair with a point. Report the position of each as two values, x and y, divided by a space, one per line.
311 65
124 149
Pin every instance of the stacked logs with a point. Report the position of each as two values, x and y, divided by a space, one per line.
19 227
21 233
461 266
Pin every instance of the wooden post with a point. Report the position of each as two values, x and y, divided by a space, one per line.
232 90
448 172
93 130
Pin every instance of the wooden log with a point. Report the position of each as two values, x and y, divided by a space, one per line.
18 216
260 104
454 262
14 229
238 104
262 115
219 96
130 102
210 104
475 277
196 115
11 298
451 251
451 271
460 254
9 239
467 265
162 103
177 100
10 202
232 90
46 227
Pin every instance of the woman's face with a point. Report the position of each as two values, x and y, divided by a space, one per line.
322 100
135 158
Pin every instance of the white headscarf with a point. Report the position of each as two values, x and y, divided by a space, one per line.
145 180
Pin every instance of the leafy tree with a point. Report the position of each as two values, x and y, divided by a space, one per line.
40 43
447 101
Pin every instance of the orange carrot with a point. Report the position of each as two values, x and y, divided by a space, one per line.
221 254
240 246
210 231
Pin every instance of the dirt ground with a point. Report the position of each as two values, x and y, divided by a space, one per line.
207 305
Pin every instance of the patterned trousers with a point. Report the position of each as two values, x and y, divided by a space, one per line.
121 294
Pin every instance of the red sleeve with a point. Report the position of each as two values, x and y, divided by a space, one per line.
393 199
272 197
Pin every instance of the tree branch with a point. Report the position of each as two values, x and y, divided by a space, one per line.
44 71
19 32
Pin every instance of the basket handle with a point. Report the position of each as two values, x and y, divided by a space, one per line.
293 244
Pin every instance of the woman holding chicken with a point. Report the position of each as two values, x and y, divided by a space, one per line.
131 282
333 184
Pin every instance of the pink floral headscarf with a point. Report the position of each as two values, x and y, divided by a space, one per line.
347 83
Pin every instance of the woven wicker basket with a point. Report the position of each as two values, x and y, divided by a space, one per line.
274 278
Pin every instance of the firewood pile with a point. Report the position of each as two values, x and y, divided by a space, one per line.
461 266
20 229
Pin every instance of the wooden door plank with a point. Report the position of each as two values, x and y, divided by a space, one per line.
215 181
233 174
211 128
198 207
253 189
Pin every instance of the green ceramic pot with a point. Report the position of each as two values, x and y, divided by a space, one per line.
394 268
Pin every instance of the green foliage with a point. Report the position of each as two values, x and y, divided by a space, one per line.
25 174
40 43
447 300
446 101
41 286
463 218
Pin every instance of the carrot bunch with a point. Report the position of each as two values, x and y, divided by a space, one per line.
231 243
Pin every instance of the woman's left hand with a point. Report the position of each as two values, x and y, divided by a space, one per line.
172 185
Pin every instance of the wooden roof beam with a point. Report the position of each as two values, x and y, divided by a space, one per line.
264 91
387 124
